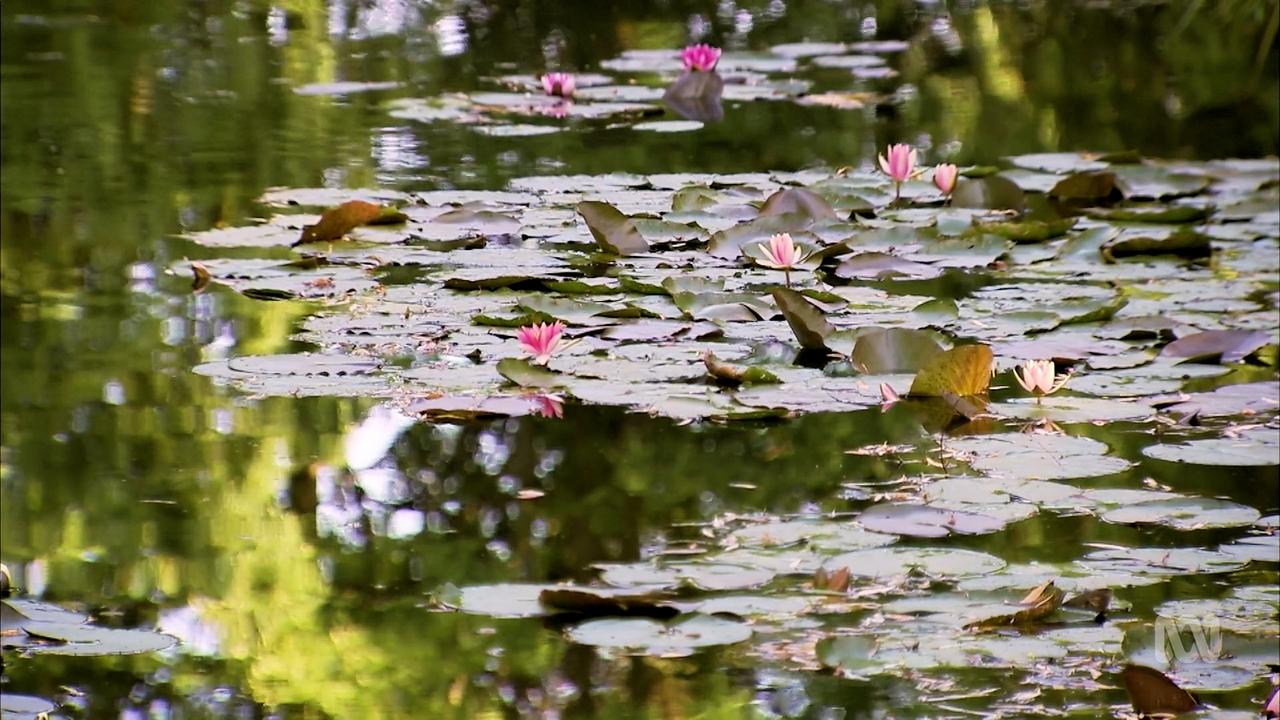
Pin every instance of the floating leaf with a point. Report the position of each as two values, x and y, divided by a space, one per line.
805 319
1151 213
526 374
1087 187
1029 231
963 370
1258 449
879 266
993 192
736 375
641 636
334 224
1182 243
1226 346
1040 603
1039 457
1153 693
932 562
616 233
1186 513
926 521
894 350
799 201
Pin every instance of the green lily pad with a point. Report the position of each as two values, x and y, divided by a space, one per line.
926 521
642 636
1066 408
940 563
1255 617
816 534
894 350
1030 456
1159 561
1184 513
1259 448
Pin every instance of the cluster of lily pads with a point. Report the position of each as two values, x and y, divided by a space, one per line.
706 79
1130 289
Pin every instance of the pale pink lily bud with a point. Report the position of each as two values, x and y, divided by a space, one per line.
780 252
900 162
701 58
558 84
1037 377
944 177
541 341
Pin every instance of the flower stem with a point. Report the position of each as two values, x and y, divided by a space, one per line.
787 274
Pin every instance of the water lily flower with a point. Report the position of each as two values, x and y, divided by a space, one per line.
1037 377
780 253
899 165
1272 707
700 58
541 341
558 84
548 405
944 177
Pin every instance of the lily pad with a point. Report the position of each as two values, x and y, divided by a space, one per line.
642 636
926 521
938 563
1184 513
1038 457
1259 448
1225 346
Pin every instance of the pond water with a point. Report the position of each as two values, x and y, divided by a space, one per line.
310 546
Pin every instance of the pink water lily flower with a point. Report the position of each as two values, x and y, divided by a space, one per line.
558 84
701 58
944 177
1272 707
541 341
781 253
898 165
1037 377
